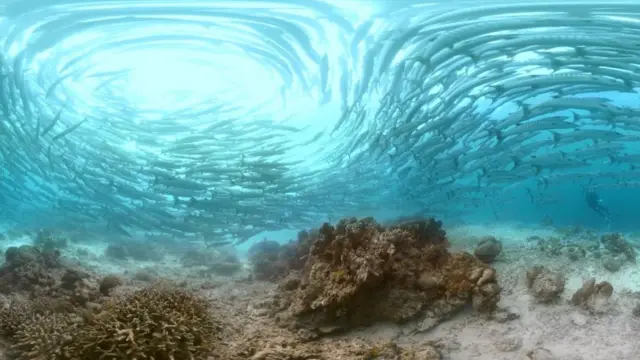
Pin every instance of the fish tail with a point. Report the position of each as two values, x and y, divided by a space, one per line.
557 137
538 169
516 161
530 193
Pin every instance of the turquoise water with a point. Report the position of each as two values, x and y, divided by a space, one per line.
225 120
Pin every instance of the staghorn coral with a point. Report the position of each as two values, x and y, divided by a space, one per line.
359 272
13 314
45 336
158 322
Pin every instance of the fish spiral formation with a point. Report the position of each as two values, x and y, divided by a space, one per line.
431 109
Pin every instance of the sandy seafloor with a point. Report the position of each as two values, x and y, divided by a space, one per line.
523 330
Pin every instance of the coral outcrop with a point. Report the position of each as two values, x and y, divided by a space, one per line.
544 284
360 272
488 249
212 262
616 244
133 250
593 296
27 267
272 261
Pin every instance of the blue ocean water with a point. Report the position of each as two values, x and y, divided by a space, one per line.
189 180
229 120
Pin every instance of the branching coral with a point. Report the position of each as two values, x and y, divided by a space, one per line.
359 272
157 323
45 336
13 314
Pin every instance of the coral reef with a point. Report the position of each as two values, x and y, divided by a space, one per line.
157 322
359 272
213 261
49 240
488 249
616 244
266 260
272 261
545 285
13 314
27 267
45 337
593 296
108 283
134 250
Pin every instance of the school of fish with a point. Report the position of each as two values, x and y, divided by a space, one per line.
442 109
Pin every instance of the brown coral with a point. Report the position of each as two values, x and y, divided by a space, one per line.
45 337
544 284
593 296
13 314
272 261
158 323
616 244
360 272
26 268
109 282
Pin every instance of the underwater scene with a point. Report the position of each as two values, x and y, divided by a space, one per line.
319 180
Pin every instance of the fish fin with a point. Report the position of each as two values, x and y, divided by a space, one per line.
475 58
498 88
192 202
538 169
555 64
557 137
176 201
516 161
576 118
530 193
498 135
